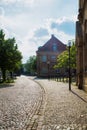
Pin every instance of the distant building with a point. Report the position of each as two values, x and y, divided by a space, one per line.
47 56
81 43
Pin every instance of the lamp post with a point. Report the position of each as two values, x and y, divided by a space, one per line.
48 63
69 46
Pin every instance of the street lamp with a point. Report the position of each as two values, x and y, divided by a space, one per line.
69 46
48 63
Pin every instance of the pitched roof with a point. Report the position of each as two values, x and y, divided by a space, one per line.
49 44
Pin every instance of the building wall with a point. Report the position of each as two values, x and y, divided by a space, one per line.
81 42
45 68
47 57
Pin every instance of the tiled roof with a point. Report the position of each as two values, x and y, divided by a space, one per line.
49 44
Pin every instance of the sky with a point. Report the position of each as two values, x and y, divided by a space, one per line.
32 22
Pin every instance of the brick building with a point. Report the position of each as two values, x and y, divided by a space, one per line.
47 56
81 43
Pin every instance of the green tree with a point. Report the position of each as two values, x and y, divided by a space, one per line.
10 56
63 58
30 65
73 56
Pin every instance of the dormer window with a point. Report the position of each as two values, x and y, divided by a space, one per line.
54 47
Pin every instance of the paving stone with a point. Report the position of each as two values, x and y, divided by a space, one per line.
68 109
19 104
51 106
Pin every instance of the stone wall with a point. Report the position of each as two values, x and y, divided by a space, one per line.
81 43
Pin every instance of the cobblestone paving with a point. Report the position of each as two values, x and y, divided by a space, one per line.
20 104
64 110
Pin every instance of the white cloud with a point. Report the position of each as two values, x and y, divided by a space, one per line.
41 32
61 20
32 42
29 43
32 26
17 1
1 11
27 3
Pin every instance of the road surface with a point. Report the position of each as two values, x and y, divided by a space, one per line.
20 104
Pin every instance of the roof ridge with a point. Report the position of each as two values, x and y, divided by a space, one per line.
50 43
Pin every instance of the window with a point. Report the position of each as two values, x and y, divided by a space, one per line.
85 26
44 70
54 47
53 58
44 58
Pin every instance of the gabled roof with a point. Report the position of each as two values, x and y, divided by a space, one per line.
48 46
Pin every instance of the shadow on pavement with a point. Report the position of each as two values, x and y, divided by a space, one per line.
79 96
6 85
37 78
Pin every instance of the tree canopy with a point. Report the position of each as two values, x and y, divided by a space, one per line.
63 58
30 65
10 56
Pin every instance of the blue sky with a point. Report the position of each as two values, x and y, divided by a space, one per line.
32 22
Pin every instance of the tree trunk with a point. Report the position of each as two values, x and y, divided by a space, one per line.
4 74
11 75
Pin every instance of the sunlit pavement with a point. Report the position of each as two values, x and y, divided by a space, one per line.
48 105
64 109
20 104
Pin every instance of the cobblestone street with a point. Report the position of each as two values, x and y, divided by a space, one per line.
48 105
64 109
20 104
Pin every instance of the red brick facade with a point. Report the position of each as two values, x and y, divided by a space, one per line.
47 56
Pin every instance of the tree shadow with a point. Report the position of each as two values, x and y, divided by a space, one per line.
79 96
6 85
42 78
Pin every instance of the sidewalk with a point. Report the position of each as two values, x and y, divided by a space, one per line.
64 109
